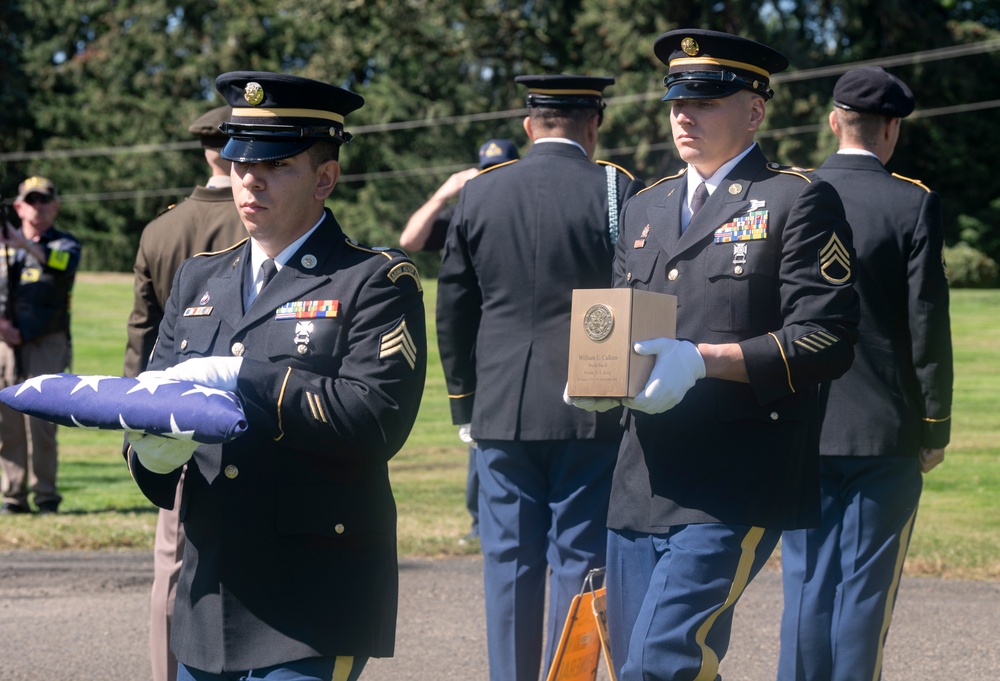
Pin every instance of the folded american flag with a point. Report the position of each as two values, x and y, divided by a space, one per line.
150 404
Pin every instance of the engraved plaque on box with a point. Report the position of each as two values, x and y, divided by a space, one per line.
605 324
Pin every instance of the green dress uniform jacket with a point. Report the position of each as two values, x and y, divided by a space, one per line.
205 221
896 398
291 527
767 263
504 339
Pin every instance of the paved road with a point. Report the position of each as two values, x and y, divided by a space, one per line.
83 615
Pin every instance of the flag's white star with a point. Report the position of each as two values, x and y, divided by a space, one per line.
178 434
35 383
125 426
89 382
80 425
150 383
205 390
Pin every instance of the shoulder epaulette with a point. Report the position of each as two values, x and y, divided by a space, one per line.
664 179
788 170
912 181
166 210
494 167
224 250
403 269
615 165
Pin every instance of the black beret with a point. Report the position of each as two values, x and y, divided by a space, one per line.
207 127
871 89
565 92
707 64
276 115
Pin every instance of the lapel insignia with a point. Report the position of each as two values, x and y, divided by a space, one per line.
735 188
398 341
308 261
204 299
645 232
835 261
307 309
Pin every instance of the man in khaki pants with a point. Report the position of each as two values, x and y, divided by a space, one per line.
37 271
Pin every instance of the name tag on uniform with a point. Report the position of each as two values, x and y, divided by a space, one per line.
202 311
748 227
307 309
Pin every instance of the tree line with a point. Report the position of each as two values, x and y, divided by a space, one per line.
97 94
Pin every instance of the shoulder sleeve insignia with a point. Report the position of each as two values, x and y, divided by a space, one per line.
911 180
405 269
398 341
835 261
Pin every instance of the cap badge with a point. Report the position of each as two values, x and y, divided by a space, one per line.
690 46
253 93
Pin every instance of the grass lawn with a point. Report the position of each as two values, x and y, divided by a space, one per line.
957 532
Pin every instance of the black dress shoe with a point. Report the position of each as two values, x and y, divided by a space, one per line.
13 509
48 507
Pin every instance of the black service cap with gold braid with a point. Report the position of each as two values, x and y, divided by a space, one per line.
276 115
707 64
565 92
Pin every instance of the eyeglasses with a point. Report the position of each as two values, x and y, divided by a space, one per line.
34 199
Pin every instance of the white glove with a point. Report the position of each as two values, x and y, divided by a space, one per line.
465 434
212 372
590 403
678 366
159 454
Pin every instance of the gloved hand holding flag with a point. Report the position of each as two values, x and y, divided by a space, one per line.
152 403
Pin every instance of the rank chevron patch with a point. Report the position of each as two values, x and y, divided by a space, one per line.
399 340
835 261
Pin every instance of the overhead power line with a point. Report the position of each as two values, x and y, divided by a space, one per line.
923 56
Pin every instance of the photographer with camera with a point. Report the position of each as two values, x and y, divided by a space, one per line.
37 272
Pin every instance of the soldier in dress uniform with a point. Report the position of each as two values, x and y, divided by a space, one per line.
524 235
290 565
718 455
888 419
205 221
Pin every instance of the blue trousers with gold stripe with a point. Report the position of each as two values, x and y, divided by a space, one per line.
543 511
841 580
671 596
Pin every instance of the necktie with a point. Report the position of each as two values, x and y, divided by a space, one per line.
267 271
699 198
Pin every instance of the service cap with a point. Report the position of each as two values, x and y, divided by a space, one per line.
497 151
37 185
871 89
207 127
706 64
565 92
276 115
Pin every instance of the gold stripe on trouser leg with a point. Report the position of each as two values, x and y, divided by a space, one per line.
709 660
890 601
342 668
